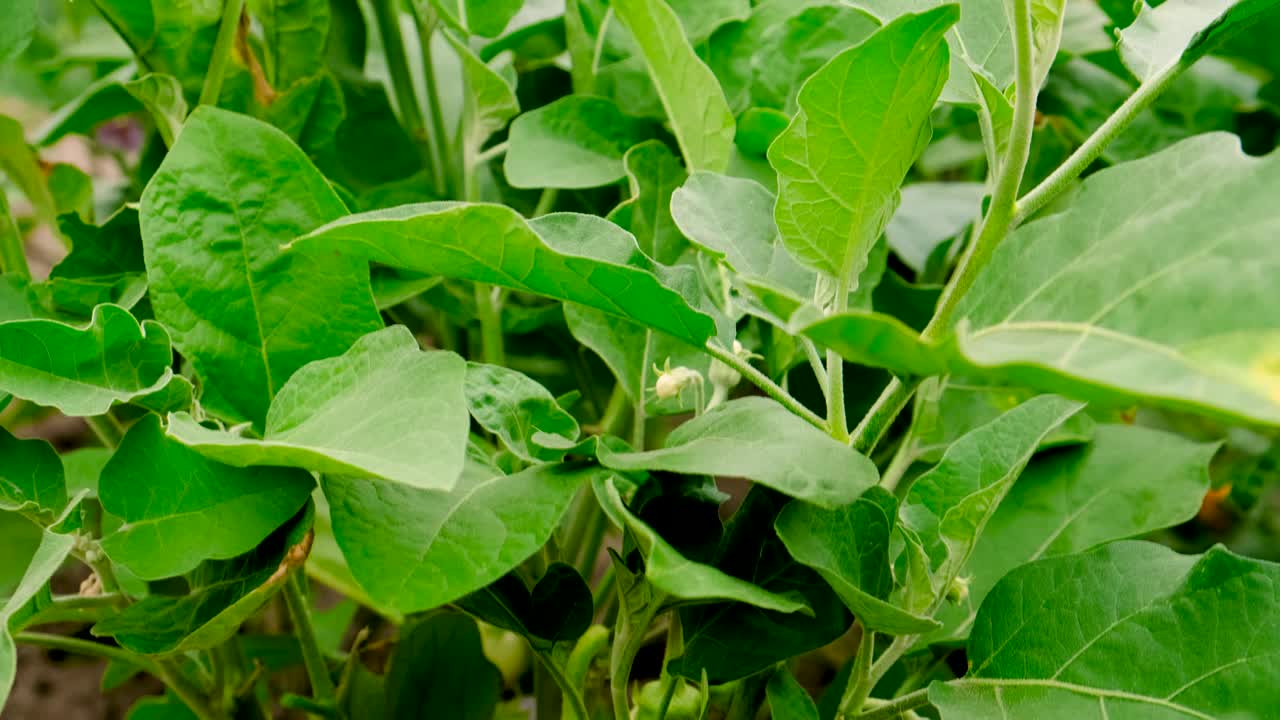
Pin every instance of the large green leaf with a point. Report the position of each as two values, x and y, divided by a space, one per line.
384 408
439 669
221 596
672 573
733 218
49 556
446 545
20 24
577 258
557 609
1120 632
1066 302
230 192
722 640
32 480
519 411
83 371
849 547
1127 482
577 141
694 103
757 438
654 173
863 120
180 508
950 506
1183 31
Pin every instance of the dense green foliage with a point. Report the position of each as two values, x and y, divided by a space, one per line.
645 359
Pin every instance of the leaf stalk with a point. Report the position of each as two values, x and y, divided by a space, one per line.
212 89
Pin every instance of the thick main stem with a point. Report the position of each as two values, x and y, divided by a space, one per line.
995 227
896 707
312 658
837 423
491 340
227 25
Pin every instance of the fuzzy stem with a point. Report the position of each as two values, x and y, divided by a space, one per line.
227 25
312 658
763 382
897 707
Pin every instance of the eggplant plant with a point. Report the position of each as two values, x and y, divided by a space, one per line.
644 359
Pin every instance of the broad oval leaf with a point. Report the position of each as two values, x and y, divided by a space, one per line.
758 439
230 192
222 595
1106 608
32 480
1066 303
412 418
676 575
84 371
180 508
950 506
1127 482
1183 31
690 94
849 547
863 120
568 257
577 141
518 410
446 545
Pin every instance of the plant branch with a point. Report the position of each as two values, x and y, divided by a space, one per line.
815 363
13 257
572 695
1095 144
886 409
227 25
387 19
86 647
860 683
491 340
837 423
491 153
300 616
627 641
440 140
763 382
896 707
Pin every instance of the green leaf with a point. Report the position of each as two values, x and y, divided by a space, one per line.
115 94
1065 303
439 666
446 545
676 575
1128 625
878 340
222 595
758 439
930 214
849 547
293 34
161 95
1047 19
722 641
1128 482
795 49
1181 31
31 480
519 411
180 508
577 258
160 708
950 506
654 174
20 23
577 141
383 408
787 699
733 218
694 103
863 120
22 166
105 265
245 314
49 556
558 609
83 371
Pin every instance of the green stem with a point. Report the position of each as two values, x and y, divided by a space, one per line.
860 685
592 538
227 27
440 136
546 201
491 153
995 227
581 49
902 459
86 647
630 637
387 18
603 593
674 649
614 412
837 424
490 325
312 658
571 694
105 429
815 363
78 609
763 382
1093 147
638 416
898 706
